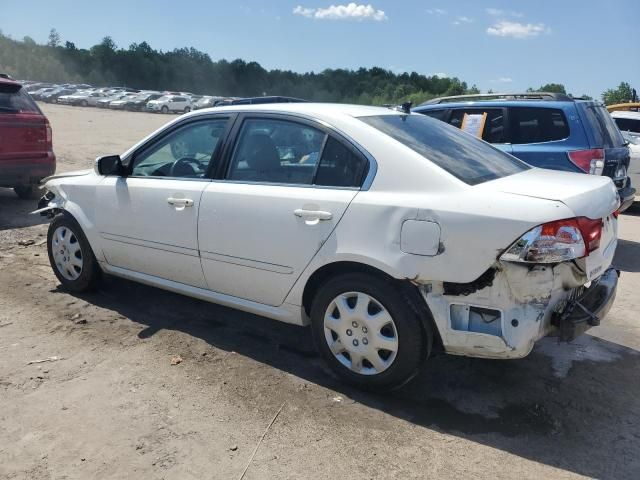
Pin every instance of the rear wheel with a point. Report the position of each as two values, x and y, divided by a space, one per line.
26 192
84 103
165 109
71 256
187 109
369 332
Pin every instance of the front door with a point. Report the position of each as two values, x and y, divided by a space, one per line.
148 220
285 190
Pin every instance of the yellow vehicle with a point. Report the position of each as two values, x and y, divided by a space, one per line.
619 107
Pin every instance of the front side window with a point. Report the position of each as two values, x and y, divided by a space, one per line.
493 131
535 125
183 153
276 151
458 153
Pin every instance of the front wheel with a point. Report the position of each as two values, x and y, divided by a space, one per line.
165 109
187 109
369 332
71 256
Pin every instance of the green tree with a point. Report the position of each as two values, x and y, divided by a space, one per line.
549 87
622 94
54 38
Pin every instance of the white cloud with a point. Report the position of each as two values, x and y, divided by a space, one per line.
517 29
461 20
436 11
352 11
496 12
502 80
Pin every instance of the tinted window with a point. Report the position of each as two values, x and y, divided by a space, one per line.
184 153
534 125
493 131
276 151
340 167
605 131
437 114
628 124
460 154
14 99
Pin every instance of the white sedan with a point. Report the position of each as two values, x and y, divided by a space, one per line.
390 233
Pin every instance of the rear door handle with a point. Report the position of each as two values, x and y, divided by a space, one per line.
180 202
312 214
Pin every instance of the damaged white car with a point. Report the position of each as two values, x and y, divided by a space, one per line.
390 233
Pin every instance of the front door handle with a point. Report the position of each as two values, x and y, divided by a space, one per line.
180 202
312 214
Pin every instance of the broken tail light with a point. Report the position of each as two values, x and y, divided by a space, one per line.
557 241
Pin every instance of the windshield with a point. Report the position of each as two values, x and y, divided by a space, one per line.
462 155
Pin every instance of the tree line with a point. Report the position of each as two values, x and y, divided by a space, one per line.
190 70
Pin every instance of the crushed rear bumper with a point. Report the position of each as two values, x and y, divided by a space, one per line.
588 309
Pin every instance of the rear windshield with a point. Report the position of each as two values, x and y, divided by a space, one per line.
604 129
14 99
462 155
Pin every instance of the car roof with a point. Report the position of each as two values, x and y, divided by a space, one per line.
317 110
623 114
8 81
499 103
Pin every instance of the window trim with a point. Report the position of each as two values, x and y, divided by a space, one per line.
129 160
234 136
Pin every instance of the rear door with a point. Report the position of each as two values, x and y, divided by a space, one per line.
541 136
495 126
286 186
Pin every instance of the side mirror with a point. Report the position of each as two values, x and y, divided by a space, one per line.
109 165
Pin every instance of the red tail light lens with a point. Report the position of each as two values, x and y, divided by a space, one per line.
591 232
589 161
49 132
556 242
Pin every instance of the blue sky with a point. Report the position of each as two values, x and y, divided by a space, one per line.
501 45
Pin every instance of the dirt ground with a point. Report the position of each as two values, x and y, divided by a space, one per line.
110 404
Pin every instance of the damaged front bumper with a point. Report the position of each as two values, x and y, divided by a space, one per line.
586 311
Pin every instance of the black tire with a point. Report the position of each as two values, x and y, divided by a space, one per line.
187 109
26 192
84 103
90 273
164 109
414 337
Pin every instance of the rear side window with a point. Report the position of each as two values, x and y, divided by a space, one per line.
605 131
493 131
628 124
460 154
14 99
340 167
437 114
536 125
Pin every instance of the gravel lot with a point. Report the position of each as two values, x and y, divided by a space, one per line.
112 405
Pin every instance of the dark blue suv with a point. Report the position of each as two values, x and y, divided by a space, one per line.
546 130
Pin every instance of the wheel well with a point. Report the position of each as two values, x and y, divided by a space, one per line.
320 276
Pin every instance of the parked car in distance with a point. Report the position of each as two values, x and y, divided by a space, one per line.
259 101
390 233
37 94
52 96
122 102
104 102
170 103
26 149
207 102
139 103
546 130
627 122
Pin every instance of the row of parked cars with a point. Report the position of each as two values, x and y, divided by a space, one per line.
120 98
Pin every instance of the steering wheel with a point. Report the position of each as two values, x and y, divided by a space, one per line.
184 167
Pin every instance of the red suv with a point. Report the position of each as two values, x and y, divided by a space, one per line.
26 149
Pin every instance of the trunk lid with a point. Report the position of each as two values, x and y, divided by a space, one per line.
586 195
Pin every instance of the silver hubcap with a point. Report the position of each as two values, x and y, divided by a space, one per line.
360 333
67 253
